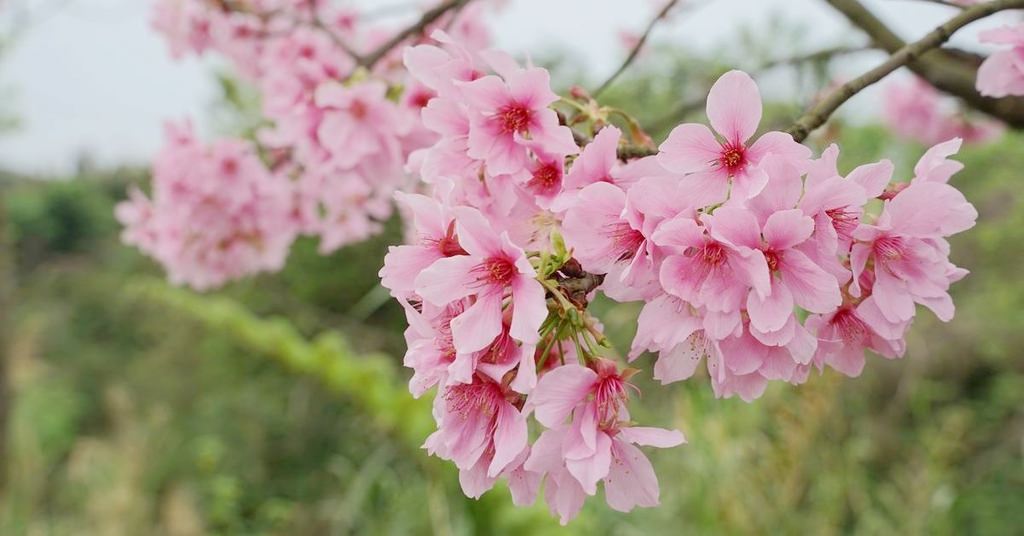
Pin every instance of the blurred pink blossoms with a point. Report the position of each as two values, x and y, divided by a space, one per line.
1002 73
917 111
216 213
337 140
748 255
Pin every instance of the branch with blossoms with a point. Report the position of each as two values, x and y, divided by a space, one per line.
994 90
753 257
904 56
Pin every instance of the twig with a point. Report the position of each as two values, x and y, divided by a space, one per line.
947 3
319 24
418 27
950 70
636 48
821 112
687 107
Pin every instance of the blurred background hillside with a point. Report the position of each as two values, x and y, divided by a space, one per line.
278 406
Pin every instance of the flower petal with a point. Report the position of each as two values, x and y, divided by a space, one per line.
734 106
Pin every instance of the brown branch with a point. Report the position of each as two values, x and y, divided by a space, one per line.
904 56
947 3
417 28
319 24
950 70
687 107
636 48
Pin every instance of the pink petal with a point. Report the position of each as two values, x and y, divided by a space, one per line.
787 228
873 178
681 231
403 264
652 437
690 147
510 436
546 453
735 226
447 280
813 288
590 470
532 88
779 144
558 391
529 309
677 363
631 480
734 106
476 327
526 374
486 94
770 313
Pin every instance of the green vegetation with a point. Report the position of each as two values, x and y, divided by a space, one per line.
278 406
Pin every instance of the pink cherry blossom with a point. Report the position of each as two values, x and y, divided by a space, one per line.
917 111
727 167
216 213
475 420
494 269
1002 73
707 269
506 112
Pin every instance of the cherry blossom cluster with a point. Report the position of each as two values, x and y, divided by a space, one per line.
1002 73
915 110
216 212
748 254
337 134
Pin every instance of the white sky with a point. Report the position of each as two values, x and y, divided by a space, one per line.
92 77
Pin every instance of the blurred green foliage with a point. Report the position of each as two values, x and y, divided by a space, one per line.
277 405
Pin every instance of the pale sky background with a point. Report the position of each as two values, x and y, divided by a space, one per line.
92 77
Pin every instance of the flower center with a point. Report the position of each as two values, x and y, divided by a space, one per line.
773 258
478 396
733 158
514 118
497 271
625 239
713 254
851 328
499 350
546 177
420 99
889 248
448 244
358 109
229 166
609 395
844 220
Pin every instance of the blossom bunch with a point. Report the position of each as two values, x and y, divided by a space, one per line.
1002 73
216 212
746 253
338 128
915 110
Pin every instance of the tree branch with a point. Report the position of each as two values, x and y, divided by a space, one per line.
636 48
418 27
692 105
950 70
904 56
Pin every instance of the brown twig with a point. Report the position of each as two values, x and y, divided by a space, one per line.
820 113
687 107
418 27
947 3
949 70
636 48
